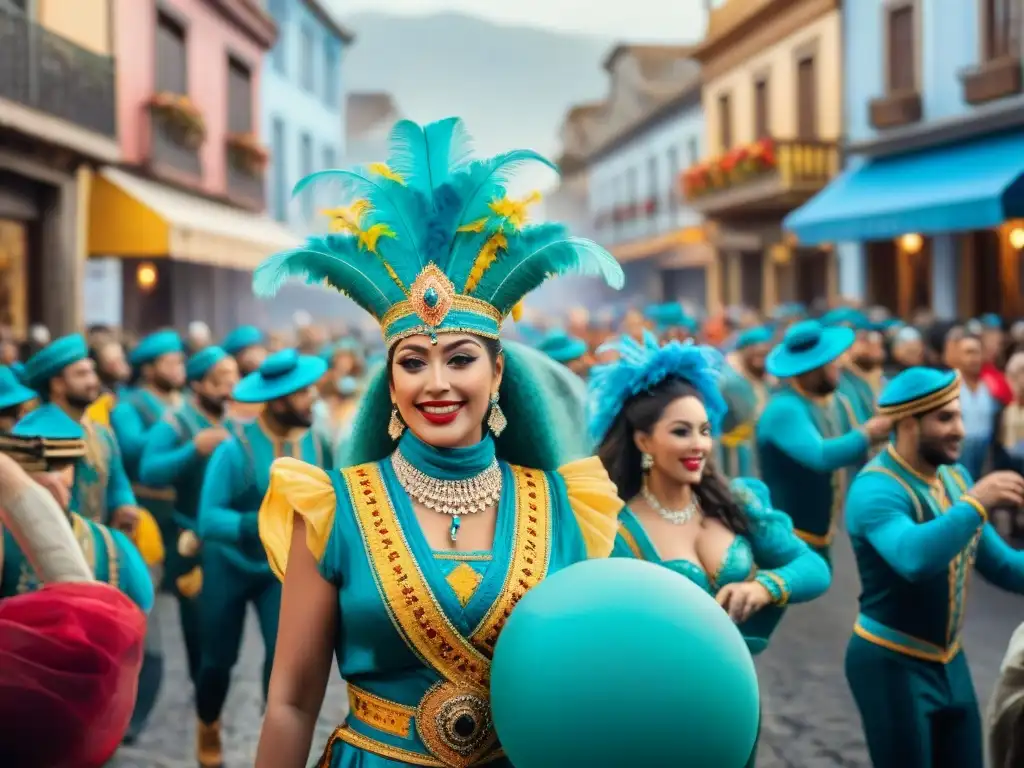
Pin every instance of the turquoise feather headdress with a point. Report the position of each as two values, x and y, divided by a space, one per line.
641 367
430 242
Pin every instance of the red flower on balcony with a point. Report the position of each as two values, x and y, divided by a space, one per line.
247 154
180 116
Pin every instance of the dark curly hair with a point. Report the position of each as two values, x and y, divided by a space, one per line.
621 457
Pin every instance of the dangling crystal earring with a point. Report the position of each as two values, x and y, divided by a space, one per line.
646 462
395 426
496 420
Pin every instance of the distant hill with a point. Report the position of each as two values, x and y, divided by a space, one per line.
512 85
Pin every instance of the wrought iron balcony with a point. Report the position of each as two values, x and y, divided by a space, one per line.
44 71
769 176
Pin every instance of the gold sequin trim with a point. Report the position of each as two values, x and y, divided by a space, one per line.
379 713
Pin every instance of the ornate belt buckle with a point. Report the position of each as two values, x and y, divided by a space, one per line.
454 722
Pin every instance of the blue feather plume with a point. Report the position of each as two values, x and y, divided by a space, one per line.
641 367
427 156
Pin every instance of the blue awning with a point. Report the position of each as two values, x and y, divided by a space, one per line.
952 188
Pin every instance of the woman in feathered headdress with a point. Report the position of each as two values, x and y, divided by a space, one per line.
655 413
458 498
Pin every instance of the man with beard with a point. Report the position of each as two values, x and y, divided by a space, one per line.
248 346
114 372
15 399
745 392
918 522
234 562
567 350
807 434
860 379
64 374
176 454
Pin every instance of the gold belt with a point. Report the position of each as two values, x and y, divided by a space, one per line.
400 719
156 494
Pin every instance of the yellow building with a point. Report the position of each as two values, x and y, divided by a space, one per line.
58 108
772 100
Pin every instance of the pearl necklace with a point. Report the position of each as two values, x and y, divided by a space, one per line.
674 516
449 497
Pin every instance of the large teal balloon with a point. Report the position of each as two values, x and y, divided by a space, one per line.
620 662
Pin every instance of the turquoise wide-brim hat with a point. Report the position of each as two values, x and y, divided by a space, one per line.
12 391
806 346
282 373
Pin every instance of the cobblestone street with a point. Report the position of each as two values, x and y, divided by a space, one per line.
809 717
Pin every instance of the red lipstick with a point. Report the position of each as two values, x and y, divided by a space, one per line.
440 412
693 464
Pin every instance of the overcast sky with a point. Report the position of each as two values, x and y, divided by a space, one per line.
636 20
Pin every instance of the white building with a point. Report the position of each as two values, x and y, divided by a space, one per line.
649 129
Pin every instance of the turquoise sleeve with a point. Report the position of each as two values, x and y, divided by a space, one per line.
999 563
786 423
222 484
787 567
119 487
133 575
130 432
879 510
165 456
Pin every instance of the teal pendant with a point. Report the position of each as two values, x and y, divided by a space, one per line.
431 297
453 532
433 337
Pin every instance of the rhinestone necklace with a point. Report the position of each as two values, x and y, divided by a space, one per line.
449 497
674 516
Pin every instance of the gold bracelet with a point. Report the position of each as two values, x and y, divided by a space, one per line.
978 506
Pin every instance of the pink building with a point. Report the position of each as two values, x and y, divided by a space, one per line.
178 227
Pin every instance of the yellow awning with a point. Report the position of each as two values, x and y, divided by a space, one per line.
637 250
134 217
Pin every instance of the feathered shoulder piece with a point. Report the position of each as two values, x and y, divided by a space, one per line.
430 242
641 366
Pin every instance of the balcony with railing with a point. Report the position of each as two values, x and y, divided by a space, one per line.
769 177
246 166
46 72
176 133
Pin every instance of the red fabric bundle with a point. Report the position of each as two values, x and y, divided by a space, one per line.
69 667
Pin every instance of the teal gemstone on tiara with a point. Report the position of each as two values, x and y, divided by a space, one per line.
431 297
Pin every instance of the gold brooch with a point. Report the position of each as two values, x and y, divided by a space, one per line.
432 295
454 723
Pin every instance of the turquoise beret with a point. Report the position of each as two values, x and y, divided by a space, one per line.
242 337
282 373
918 390
202 361
48 422
12 391
156 345
670 315
761 334
561 347
54 358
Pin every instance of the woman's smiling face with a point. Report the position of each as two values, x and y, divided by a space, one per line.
443 390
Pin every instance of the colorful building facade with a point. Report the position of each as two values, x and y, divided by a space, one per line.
177 229
927 215
638 140
772 104
57 123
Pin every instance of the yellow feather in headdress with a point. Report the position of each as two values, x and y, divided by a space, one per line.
382 169
368 237
347 218
515 211
473 226
487 256
517 312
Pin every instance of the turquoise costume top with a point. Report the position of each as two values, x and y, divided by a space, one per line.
138 411
746 397
805 442
45 439
430 243
769 553
916 538
101 483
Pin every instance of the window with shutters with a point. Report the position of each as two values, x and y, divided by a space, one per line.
1001 27
280 170
331 58
902 75
171 56
762 128
807 98
673 179
725 122
309 50
239 97
306 161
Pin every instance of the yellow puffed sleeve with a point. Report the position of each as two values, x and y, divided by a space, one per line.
296 488
595 503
